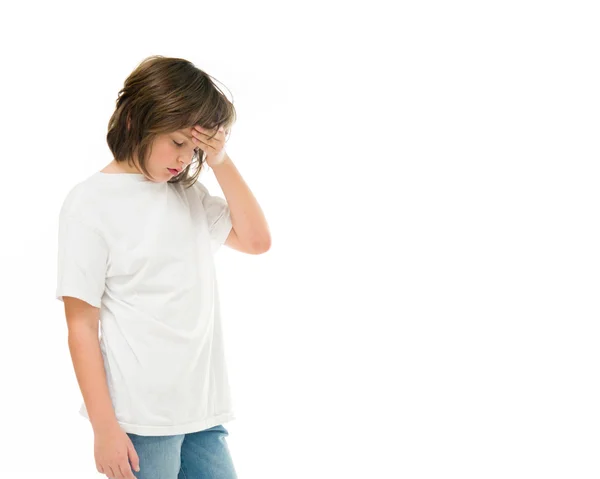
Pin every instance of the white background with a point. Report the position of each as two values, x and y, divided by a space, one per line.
429 171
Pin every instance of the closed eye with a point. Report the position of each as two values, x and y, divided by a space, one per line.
196 150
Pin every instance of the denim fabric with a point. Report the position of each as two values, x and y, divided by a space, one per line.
199 455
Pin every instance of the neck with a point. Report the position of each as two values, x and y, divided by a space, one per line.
121 167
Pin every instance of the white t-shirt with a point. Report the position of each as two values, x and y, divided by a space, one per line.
142 252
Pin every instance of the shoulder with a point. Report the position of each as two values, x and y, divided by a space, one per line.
199 189
80 199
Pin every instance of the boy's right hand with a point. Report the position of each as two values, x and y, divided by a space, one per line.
113 451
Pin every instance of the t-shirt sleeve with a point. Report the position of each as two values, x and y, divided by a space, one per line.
82 261
218 216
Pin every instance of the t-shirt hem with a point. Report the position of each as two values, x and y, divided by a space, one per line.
176 429
222 228
75 293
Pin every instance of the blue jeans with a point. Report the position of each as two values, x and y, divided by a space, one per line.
199 455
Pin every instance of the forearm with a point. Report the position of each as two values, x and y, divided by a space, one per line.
87 360
247 217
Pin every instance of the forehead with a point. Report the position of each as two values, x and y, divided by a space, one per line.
187 132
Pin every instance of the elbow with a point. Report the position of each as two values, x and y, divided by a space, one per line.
262 246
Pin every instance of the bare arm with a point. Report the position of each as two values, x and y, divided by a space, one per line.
84 345
250 232
113 451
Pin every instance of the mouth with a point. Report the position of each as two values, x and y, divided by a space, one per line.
173 171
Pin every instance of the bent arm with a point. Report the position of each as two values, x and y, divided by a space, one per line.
250 231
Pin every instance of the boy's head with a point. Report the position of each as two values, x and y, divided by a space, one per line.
160 102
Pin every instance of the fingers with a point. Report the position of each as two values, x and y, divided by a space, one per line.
202 144
133 457
126 472
110 473
221 132
118 471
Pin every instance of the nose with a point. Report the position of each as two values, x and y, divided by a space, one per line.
184 162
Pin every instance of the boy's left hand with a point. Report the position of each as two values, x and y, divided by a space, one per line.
213 147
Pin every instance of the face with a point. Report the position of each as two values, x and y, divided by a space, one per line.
171 153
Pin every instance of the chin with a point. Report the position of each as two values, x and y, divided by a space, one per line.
159 178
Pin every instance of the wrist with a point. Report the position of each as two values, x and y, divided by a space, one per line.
226 160
100 427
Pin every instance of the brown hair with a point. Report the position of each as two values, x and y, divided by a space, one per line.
160 96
